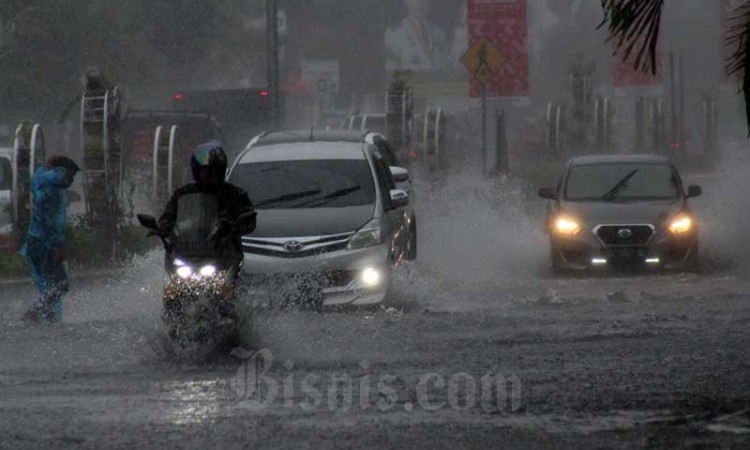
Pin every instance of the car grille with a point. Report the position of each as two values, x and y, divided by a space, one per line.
629 235
332 279
296 247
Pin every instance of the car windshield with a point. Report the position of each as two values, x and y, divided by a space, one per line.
333 183
621 181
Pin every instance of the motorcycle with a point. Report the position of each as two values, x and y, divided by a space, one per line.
199 302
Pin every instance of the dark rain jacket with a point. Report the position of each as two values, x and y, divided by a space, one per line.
231 202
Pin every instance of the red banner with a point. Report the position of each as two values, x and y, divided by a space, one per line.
628 79
505 24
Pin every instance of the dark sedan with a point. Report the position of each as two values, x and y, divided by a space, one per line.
621 211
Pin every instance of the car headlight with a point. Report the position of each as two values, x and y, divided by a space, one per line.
367 236
371 277
566 226
681 224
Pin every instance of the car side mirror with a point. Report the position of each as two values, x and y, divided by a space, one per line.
694 191
399 174
548 193
399 198
148 221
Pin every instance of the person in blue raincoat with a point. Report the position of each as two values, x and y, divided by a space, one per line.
46 237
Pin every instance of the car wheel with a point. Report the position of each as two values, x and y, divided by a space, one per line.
390 297
694 262
556 264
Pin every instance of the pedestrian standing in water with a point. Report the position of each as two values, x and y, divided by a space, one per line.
45 240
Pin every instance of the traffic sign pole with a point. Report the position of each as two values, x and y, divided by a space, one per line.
484 129
483 60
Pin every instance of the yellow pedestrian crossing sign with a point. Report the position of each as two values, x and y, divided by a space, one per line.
483 60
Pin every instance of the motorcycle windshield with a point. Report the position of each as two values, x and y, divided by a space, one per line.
197 224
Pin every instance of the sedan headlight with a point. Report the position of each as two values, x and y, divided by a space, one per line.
681 224
367 236
566 226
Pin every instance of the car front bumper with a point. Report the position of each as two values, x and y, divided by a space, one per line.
588 252
338 277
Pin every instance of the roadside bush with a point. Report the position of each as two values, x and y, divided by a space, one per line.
12 266
89 247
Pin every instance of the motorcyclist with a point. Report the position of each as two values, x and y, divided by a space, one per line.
208 164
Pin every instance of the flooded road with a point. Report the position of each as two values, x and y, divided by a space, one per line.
638 362
478 348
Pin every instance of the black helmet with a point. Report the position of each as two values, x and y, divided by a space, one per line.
209 156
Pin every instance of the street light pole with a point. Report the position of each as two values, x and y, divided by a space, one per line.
272 44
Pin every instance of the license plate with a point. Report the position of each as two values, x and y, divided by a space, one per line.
625 253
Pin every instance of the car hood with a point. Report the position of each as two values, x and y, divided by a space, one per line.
623 213
275 223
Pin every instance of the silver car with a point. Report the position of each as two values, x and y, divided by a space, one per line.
6 216
331 220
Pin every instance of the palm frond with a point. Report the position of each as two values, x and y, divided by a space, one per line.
635 25
738 62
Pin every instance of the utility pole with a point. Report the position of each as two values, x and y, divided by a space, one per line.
673 104
272 44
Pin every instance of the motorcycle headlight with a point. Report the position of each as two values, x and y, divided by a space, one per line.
367 236
184 271
207 271
681 224
566 226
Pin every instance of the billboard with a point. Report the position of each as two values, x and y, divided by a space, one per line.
427 39
504 23
428 36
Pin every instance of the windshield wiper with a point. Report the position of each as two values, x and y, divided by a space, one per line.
287 198
622 184
332 196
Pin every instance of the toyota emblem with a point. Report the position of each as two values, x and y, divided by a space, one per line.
293 246
625 233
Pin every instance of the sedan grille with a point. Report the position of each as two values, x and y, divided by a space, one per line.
296 247
629 235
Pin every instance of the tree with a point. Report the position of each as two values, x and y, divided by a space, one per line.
634 26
